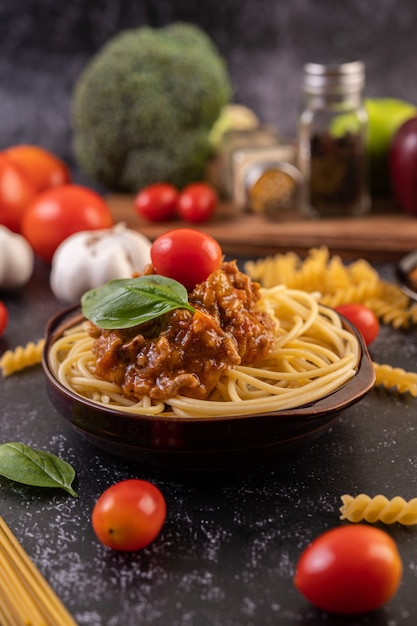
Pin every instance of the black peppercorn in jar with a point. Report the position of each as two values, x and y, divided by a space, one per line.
332 141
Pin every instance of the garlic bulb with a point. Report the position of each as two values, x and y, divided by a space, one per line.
16 259
89 259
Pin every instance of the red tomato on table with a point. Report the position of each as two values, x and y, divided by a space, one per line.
4 318
186 255
59 212
157 202
362 318
129 515
16 192
349 569
197 203
41 168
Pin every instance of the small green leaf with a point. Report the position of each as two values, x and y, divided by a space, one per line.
127 302
28 466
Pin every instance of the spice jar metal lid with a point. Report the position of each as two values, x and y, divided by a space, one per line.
333 78
272 187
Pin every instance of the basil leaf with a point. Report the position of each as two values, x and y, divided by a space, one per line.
28 466
127 302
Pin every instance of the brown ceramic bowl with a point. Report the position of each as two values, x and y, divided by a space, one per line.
200 443
405 266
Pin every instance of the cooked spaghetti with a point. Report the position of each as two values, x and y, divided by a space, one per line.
311 355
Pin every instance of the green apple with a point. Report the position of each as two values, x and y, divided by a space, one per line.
385 116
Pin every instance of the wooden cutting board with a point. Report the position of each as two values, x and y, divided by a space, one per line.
385 234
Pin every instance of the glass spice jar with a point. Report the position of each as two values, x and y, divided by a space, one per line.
263 137
332 141
265 180
272 188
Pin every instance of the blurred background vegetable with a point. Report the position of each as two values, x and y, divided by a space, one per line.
59 212
15 194
144 106
385 116
39 166
403 165
157 202
197 203
26 170
233 117
16 259
4 317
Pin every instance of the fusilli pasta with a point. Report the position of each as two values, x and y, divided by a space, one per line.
21 357
395 378
379 509
337 283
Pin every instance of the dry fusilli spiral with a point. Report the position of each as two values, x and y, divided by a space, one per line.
21 357
337 283
379 509
395 378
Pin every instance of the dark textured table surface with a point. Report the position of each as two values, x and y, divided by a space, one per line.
227 552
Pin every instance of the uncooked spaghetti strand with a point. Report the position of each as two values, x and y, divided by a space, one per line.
35 595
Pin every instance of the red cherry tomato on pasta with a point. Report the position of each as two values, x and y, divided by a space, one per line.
4 318
157 202
349 570
197 203
129 515
363 318
186 255
59 212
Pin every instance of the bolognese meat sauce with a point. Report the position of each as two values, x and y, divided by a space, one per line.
182 353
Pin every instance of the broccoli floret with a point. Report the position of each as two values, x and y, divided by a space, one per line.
143 107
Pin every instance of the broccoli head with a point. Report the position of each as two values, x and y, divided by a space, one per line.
143 107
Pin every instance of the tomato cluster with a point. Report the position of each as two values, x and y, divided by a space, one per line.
38 199
160 202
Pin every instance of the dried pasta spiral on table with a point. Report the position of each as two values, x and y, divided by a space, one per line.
379 509
337 283
395 378
21 357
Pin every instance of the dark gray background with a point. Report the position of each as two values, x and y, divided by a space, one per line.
44 45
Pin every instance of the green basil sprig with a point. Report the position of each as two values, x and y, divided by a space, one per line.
24 464
127 302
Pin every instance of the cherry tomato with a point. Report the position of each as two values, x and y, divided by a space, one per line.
157 202
349 569
186 255
197 203
59 212
4 318
129 515
39 166
363 318
16 191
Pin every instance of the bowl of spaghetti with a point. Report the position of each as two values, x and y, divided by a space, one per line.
248 374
